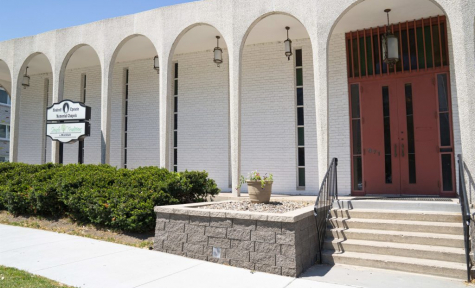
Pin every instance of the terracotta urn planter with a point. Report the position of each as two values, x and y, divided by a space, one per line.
257 194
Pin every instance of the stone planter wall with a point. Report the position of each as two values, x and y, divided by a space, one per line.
283 244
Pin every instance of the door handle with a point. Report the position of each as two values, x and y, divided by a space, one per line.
402 152
395 150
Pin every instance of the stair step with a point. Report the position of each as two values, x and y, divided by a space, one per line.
414 265
397 215
445 240
451 206
440 253
398 225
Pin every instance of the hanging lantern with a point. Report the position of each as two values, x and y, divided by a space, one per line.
156 64
390 45
288 44
26 79
218 53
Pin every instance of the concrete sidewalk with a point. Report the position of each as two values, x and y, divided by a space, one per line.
84 262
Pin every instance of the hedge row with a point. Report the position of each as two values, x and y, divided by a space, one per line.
99 194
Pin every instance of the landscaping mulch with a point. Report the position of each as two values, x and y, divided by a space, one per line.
67 226
271 207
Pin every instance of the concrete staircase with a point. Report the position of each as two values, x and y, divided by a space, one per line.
413 236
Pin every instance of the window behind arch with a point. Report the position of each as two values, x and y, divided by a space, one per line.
4 97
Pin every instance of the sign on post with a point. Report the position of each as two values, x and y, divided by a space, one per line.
67 110
66 121
67 132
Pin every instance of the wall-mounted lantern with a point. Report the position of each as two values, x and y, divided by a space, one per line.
390 45
26 79
156 64
218 53
288 44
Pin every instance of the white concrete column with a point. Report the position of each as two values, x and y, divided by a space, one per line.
235 116
165 108
106 91
462 28
320 59
14 117
58 91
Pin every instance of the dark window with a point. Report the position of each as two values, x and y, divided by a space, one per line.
357 173
175 121
175 156
442 92
176 70
447 172
368 56
175 139
300 116
176 104
300 96
387 136
355 101
411 150
356 136
176 87
412 47
301 136
298 57
299 77
301 156
301 177
444 129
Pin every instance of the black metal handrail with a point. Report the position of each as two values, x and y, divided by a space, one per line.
462 193
327 194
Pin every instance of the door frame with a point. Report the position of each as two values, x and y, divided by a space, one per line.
395 76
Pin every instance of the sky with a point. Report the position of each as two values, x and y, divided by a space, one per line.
20 18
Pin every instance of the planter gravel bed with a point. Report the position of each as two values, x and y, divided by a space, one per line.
271 207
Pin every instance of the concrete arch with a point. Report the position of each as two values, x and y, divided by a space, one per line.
29 128
65 62
336 92
7 82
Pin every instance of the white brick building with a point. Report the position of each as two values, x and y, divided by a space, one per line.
247 114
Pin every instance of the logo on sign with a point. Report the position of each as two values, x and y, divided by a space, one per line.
66 108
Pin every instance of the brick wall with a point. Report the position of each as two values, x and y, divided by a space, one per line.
143 116
283 248
269 141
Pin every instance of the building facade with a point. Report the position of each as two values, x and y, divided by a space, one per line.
5 103
395 129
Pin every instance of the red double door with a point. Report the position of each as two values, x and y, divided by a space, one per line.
400 136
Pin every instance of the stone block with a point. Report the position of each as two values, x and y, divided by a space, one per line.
172 246
177 237
242 264
163 217
244 224
268 269
270 248
239 234
158 245
219 242
179 253
289 227
161 235
199 220
237 254
288 251
263 258
290 272
160 226
197 239
287 238
175 227
216 232
196 256
193 248
284 261
267 226
260 236
242 245
220 222
194 229
179 218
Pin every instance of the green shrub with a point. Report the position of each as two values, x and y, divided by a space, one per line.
99 194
